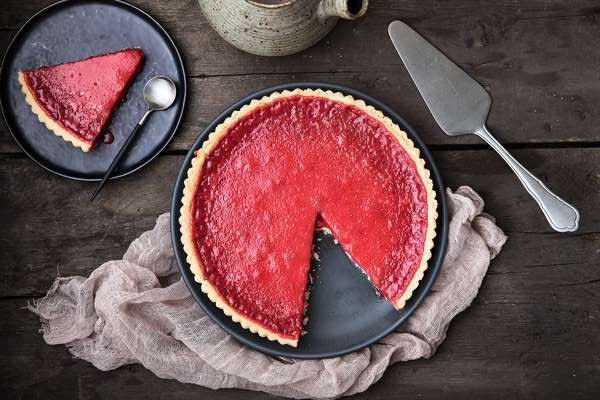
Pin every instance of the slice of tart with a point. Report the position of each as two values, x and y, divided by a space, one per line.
75 100
289 163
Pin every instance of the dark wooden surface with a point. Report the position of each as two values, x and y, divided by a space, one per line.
534 329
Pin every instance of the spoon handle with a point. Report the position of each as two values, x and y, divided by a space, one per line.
118 157
562 216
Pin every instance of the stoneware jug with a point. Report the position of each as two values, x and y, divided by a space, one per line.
277 27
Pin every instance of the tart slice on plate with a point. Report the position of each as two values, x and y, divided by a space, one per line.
75 100
283 166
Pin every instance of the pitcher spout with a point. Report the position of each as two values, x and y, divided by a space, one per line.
347 9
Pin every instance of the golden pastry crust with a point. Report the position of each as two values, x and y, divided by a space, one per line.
195 172
47 120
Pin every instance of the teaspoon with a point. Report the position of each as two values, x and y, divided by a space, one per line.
159 94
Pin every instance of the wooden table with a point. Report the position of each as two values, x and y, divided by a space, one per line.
534 329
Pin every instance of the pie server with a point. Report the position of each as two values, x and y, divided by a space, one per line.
460 106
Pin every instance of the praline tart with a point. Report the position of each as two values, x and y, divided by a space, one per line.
76 99
285 165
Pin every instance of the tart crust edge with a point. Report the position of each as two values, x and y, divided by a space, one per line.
50 123
195 171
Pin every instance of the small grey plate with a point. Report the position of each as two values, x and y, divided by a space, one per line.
75 29
345 313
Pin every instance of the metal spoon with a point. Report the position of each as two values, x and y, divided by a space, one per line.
159 94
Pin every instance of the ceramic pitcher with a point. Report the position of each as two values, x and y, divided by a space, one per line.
277 27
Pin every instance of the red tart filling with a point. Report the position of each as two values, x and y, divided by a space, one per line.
280 169
80 96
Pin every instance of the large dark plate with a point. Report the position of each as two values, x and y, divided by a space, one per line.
75 29
345 314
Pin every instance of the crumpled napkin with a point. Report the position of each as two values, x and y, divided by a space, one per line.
138 310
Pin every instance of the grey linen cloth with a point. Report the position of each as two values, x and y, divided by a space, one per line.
138 310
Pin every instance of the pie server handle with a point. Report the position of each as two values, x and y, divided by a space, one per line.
562 216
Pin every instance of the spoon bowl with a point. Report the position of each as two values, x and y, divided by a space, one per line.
159 93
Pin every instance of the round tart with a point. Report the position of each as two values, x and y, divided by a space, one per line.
283 166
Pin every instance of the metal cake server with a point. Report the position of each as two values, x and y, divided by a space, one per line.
460 105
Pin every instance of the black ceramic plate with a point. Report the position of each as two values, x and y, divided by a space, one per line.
75 29
345 314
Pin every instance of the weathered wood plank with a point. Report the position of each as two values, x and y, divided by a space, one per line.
211 95
33 370
538 59
16 12
50 225
541 119
521 349
533 330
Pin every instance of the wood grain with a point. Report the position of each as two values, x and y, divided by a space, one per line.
538 59
532 332
50 226
508 358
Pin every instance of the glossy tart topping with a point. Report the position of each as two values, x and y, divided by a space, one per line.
77 98
278 169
